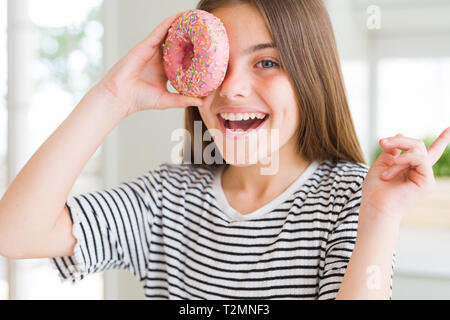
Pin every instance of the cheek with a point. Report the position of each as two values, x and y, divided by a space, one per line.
282 98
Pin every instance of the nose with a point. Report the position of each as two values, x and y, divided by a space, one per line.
235 85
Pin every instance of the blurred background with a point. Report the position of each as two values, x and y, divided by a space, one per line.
396 60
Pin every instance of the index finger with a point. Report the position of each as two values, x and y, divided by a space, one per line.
437 148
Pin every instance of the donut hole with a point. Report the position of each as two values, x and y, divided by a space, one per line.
188 55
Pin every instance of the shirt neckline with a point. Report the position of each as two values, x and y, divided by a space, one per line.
237 216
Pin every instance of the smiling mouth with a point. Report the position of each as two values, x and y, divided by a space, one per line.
242 125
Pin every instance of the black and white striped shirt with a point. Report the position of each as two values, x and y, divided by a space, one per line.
175 231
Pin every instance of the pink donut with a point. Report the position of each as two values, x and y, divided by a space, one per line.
195 53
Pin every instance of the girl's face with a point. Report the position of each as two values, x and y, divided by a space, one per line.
254 83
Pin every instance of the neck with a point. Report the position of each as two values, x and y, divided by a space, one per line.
249 180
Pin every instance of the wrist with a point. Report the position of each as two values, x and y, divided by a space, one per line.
96 105
385 229
114 105
371 215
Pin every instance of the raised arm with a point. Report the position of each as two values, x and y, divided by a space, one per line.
33 219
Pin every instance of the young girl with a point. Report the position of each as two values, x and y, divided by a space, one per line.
215 231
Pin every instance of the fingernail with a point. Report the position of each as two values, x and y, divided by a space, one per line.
385 174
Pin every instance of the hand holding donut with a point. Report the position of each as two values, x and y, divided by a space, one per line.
138 81
408 177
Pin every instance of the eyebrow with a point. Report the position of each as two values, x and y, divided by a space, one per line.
258 47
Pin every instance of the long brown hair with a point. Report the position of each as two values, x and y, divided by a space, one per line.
303 34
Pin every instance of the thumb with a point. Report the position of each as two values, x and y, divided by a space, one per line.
175 100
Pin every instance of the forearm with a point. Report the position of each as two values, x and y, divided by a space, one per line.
368 274
34 199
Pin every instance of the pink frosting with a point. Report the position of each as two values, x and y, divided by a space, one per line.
196 53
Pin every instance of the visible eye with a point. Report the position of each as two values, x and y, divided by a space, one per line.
267 63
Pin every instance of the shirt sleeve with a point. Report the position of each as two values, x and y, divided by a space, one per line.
112 228
341 243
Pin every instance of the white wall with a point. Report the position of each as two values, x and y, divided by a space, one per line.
350 34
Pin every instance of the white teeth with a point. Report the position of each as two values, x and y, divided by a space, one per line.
241 116
239 131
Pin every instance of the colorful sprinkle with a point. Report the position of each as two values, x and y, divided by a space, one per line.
208 67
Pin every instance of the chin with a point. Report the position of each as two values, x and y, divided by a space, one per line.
242 161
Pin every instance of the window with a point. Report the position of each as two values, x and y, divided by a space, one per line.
64 58
70 60
414 96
